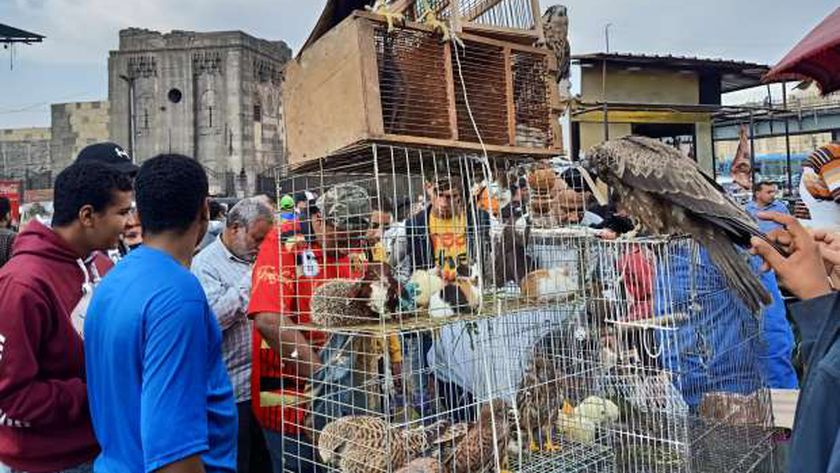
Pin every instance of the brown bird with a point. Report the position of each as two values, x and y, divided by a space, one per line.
422 465
364 444
669 194
347 302
471 448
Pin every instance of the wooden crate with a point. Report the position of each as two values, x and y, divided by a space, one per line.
359 83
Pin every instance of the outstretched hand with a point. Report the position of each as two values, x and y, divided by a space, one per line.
803 272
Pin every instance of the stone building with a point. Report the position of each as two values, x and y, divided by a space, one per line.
25 155
213 96
37 155
74 126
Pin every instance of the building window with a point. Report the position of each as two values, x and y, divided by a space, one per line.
257 113
210 115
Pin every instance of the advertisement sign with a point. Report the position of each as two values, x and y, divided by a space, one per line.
12 191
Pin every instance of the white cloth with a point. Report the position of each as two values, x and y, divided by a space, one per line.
825 214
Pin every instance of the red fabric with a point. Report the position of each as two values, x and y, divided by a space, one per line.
816 57
42 358
637 272
279 285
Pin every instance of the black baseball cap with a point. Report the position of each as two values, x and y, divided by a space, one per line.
109 154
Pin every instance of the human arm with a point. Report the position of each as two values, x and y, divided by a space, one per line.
227 301
27 397
173 399
192 464
278 332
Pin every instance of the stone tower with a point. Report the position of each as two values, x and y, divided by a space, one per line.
213 96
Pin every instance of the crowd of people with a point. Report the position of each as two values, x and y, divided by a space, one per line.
149 328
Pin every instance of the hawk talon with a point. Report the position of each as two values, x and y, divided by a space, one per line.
550 446
534 447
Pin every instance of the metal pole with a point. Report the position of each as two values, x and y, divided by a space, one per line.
787 141
129 80
607 35
752 149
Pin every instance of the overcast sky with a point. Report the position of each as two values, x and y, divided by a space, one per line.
71 64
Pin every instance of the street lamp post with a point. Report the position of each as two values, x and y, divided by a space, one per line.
130 81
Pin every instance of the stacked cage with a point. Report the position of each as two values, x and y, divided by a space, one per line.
682 359
470 349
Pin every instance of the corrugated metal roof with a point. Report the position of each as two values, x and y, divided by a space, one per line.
735 75
10 34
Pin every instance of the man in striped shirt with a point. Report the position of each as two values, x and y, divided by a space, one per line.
224 270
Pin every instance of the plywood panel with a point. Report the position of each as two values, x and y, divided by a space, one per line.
324 95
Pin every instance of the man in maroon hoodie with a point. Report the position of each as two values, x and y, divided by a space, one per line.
44 419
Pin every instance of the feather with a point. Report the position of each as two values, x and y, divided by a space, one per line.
669 194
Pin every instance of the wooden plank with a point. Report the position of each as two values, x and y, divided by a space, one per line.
784 406
469 28
438 143
511 107
371 94
450 91
323 98
480 9
455 16
538 24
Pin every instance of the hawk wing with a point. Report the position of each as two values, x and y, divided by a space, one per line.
649 165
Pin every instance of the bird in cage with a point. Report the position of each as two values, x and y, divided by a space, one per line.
554 284
425 284
472 448
422 465
581 424
555 22
346 302
361 444
384 8
669 194
460 295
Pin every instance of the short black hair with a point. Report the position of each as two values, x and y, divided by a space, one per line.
85 183
5 207
757 188
216 210
170 191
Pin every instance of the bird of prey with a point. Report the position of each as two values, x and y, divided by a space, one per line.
669 194
556 38
427 13
471 448
362 444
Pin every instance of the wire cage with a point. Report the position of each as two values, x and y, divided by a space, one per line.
450 333
685 361
366 81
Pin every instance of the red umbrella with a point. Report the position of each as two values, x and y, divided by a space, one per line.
816 57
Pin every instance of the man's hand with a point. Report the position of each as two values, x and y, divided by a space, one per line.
802 272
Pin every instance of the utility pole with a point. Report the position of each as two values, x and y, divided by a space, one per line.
130 82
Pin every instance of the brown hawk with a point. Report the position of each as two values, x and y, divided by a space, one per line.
668 194
471 448
556 38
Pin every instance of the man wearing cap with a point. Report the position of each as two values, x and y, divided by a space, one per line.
286 359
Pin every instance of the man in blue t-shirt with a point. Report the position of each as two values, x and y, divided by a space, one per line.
764 200
160 398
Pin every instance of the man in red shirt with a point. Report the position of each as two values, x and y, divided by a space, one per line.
289 355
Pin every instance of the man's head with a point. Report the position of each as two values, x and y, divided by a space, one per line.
109 154
217 210
343 220
5 212
93 201
765 193
171 193
381 219
570 197
248 223
447 196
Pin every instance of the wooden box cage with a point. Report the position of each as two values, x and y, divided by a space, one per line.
361 83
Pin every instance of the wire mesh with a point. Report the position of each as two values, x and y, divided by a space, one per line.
513 14
449 334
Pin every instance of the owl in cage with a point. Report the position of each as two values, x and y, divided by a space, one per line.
555 22
362 444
